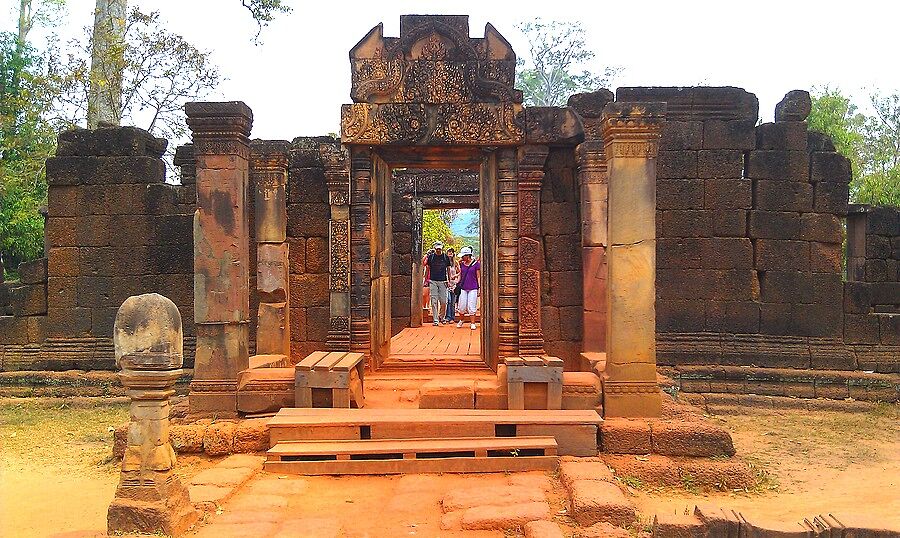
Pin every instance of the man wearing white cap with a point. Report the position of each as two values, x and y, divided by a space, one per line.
437 263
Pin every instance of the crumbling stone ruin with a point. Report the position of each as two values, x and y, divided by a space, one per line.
746 270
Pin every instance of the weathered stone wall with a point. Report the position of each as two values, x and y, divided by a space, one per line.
307 232
561 298
115 229
872 290
749 221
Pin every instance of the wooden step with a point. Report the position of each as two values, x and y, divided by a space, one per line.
575 431
391 456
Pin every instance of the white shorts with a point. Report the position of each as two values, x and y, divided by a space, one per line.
468 302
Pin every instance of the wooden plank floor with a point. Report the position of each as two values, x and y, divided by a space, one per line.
441 345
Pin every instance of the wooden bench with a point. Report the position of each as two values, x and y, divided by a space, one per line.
539 370
329 379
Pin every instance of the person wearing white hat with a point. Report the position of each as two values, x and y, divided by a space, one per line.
437 263
469 273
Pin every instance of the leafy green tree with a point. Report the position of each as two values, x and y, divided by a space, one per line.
880 184
435 229
872 143
833 114
27 139
558 63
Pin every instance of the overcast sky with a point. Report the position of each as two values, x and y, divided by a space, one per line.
296 80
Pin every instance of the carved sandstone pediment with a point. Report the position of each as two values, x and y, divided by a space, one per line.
433 85
433 61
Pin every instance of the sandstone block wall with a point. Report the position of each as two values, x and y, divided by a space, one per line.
561 297
872 290
750 225
114 229
307 235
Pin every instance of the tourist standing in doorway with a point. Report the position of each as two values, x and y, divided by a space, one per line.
469 273
437 263
453 280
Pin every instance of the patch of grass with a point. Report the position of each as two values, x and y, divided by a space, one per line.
632 482
41 430
689 483
814 434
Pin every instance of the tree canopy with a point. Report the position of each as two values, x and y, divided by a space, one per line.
27 139
871 142
558 63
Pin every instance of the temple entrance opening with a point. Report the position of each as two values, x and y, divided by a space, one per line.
434 326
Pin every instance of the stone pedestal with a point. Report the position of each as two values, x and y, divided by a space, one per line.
630 135
148 342
268 167
221 252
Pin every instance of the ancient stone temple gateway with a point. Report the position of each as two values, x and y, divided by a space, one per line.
433 99
659 226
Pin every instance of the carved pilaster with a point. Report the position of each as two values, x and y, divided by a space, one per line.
360 249
531 160
221 251
507 258
268 168
592 179
337 178
631 138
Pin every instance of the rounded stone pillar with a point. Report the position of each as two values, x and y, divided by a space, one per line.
149 351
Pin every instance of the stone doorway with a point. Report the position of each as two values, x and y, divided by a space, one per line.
419 197
384 339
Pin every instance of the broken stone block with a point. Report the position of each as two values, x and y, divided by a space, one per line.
492 517
622 436
596 501
795 106
218 440
696 439
571 469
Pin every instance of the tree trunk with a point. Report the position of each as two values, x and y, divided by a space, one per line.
107 63
24 21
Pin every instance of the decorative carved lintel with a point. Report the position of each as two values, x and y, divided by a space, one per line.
465 124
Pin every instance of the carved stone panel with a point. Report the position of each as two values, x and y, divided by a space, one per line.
339 265
426 124
433 61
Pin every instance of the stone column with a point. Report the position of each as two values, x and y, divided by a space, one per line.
418 272
149 350
631 139
360 249
531 160
221 252
507 254
594 242
337 177
592 180
268 166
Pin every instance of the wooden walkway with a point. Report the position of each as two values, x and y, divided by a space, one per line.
444 345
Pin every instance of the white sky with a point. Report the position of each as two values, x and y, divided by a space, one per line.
297 79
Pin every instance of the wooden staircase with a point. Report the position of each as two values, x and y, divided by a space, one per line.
388 441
